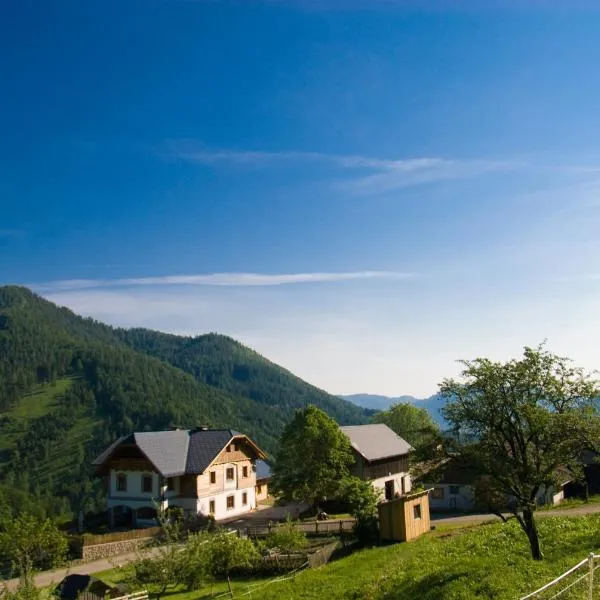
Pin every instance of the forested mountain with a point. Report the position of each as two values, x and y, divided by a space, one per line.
69 386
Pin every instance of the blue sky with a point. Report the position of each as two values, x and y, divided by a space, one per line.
362 191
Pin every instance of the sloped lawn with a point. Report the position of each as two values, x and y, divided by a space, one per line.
480 561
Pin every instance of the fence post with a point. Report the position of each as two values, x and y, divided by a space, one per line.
317 526
591 581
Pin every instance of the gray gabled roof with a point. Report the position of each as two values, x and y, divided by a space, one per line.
205 446
166 450
375 442
178 451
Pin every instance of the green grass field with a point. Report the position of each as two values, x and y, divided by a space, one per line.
481 561
42 400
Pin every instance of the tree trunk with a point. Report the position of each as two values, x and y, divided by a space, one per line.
532 533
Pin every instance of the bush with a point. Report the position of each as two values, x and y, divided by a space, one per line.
287 537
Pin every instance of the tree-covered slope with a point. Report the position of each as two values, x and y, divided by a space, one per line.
69 386
224 363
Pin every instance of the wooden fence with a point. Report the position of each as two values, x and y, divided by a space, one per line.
310 528
120 536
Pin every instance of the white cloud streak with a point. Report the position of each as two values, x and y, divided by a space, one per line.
224 279
386 174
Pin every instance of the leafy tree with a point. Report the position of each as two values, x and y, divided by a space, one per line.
362 500
227 552
488 497
30 543
521 421
26 590
165 567
410 422
313 459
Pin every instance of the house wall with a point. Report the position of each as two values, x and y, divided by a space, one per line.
446 496
461 497
236 456
192 493
261 490
383 471
220 499
133 495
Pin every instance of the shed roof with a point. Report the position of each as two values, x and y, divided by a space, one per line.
375 442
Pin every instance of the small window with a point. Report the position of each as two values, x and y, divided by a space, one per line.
259 489
417 511
230 502
121 482
147 484
245 498
171 484
229 448
437 493
244 471
234 447
213 477
229 474
454 489
211 507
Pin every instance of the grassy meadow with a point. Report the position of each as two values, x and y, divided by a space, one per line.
481 561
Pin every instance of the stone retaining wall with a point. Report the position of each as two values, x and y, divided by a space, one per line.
113 548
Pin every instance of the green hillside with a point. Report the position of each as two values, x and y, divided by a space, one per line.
69 386
224 363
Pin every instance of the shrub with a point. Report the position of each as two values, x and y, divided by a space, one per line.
287 537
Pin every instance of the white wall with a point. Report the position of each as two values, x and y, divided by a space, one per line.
135 498
221 510
462 500
379 483
134 488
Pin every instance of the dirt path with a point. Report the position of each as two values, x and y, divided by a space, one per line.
48 578
584 509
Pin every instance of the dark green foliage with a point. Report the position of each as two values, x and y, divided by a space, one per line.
524 424
313 460
221 362
287 537
362 500
110 382
30 543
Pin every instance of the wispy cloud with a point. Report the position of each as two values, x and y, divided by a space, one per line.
383 174
224 279
403 174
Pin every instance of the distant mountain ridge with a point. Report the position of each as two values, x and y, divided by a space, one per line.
433 404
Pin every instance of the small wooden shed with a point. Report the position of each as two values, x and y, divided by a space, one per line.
404 518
